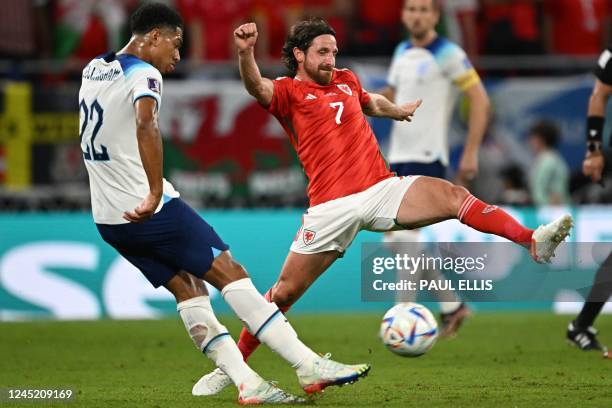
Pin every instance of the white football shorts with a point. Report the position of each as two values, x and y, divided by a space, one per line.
333 225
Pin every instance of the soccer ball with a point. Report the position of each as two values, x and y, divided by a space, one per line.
409 329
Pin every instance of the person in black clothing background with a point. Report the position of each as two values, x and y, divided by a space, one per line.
580 331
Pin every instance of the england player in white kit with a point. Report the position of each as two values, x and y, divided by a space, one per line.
111 85
431 67
141 215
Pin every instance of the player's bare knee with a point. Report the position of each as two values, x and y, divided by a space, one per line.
284 295
224 271
226 262
237 270
457 196
182 289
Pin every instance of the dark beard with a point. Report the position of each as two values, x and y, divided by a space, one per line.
319 76
323 80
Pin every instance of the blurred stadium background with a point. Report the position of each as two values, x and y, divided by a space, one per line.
231 160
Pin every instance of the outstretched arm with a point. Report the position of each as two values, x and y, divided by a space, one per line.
388 92
381 107
261 88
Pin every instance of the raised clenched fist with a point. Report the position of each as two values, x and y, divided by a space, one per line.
245 36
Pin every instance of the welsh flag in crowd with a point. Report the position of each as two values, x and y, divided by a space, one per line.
86 28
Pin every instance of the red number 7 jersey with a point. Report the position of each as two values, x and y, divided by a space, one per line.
330 134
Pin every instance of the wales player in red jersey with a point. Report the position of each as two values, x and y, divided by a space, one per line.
323 110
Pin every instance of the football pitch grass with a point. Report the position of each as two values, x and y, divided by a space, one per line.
499 359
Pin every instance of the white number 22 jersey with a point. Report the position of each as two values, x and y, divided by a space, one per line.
110 86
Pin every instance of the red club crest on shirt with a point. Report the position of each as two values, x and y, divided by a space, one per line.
308 236
345 88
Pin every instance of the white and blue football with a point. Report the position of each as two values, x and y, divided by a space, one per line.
409 329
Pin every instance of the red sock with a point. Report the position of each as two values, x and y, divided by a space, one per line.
493 220
248 343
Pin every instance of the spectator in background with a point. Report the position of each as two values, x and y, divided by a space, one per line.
24 29
510 27
514 188
338 13
377 29
549 176
576 27
210 26
273 19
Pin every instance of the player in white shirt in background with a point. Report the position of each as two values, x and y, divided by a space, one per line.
140 214
432 68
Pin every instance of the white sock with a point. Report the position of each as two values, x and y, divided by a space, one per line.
449 307
266 322
213 339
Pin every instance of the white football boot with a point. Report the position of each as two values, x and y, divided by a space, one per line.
266 393
321 372
547 237
211 383
318 374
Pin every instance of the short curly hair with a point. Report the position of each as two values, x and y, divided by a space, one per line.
154 15
301 36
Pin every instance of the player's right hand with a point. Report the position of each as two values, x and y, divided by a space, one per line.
406 111
145 210
593 165
245 36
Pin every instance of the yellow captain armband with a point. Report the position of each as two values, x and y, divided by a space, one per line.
467 80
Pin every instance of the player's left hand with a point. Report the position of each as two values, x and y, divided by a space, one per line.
406 110
145 209
468 168
593 166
